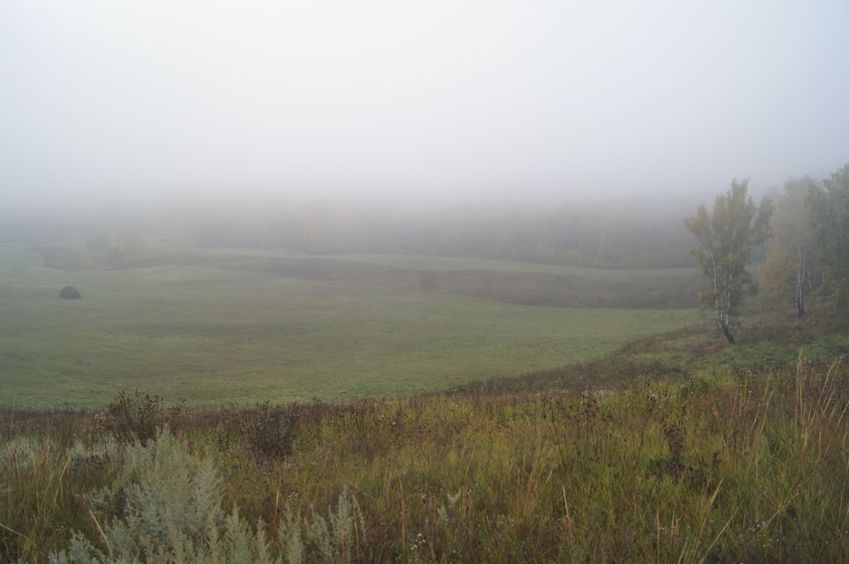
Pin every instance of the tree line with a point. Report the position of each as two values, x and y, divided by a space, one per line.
634 233
808 224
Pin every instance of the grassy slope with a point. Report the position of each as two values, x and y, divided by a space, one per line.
736 457
706 453
202 327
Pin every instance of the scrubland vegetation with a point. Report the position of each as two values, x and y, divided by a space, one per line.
718 464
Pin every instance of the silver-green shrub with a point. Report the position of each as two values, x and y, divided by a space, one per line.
171 511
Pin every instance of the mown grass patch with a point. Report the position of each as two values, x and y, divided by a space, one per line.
217 334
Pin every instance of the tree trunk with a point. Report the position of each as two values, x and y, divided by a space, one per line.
728 335
801 275
724 324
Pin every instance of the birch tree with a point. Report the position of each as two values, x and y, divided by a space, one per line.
726 237
792 268
830 212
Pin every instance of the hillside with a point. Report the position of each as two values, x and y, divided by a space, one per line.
714 453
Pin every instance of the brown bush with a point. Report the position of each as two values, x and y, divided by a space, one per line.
138 417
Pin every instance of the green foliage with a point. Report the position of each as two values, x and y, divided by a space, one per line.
726 238
792 269
830 210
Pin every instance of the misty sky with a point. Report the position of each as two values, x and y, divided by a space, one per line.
133 100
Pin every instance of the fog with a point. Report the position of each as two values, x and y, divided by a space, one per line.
192 102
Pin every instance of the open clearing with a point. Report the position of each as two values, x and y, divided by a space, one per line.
240 325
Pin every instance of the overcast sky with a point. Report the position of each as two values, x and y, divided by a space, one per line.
132 100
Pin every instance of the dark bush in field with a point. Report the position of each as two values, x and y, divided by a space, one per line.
268 430
70 293
138 417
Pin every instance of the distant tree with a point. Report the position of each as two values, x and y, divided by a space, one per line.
792 268
726 237
830 213
98 244
128 247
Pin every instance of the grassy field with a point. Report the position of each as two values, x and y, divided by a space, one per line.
240 325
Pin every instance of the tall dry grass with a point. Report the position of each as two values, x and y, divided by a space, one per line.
744 466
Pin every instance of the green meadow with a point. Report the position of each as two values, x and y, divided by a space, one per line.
241 325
